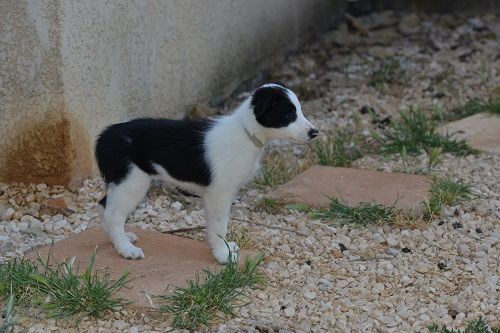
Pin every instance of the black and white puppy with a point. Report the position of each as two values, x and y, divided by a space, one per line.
210 158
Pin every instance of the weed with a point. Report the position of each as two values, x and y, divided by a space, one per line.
273 176
474 326
240 236
8 318
339 150
445 191
471 107
434 158
59 289
270 205
363 214
415 132
388 72
215 296
276 170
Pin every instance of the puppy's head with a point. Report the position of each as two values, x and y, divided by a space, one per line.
277 109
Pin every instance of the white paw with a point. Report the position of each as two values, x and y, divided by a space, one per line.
221 252
132 237
129 251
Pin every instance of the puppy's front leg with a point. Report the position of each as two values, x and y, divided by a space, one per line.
217 210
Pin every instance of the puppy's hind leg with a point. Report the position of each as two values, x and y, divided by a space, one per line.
121 200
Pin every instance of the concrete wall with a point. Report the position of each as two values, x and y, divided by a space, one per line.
69 68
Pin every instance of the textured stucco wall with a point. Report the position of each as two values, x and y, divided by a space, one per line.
69 68
34 144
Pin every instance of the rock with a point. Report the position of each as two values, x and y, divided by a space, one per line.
392 251
63 205
305 65
383 37
262 296
356 24
379 20
391 241
310 295
120 325
378 288
176 205
342 37
6 211
405 280
35 231
276 325
477 24
409 24
314 106
289 312
380 52
421 268
41 187
463 250
7 246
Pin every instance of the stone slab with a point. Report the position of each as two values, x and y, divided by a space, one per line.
482 131
169 261
319 183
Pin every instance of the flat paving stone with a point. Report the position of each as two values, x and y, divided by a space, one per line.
482 131
318 184
169 261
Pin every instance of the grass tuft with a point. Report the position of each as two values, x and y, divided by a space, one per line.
445 192
277 170
471 107
240 235
338 150
389 72
8 318
214 297
416 131
362 214
59 289
474 326
270 205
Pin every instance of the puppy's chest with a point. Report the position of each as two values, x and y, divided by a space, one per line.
236 164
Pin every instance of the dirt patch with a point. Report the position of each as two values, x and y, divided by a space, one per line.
43 152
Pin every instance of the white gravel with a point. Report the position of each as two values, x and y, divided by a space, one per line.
386 279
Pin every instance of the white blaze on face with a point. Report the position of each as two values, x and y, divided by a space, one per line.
300 127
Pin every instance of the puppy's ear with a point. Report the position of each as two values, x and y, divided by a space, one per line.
279 83
263 99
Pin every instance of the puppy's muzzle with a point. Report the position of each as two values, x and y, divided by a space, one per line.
312 133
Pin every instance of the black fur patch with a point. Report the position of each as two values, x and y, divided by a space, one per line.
176 145
272 107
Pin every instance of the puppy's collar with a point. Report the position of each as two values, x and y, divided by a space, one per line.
254 139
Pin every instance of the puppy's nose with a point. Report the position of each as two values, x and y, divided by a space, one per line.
312 133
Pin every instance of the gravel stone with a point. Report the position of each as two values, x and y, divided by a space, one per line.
289 312
392 251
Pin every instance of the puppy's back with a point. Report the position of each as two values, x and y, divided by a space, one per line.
176 145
